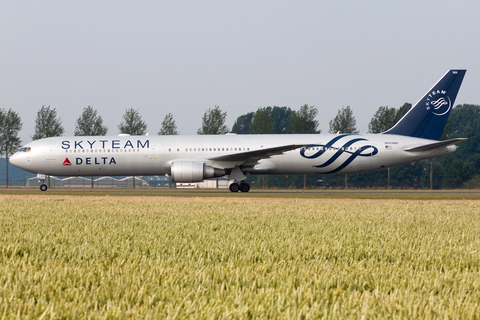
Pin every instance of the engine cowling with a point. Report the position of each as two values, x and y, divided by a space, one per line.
193 171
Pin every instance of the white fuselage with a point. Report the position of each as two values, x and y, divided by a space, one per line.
153 155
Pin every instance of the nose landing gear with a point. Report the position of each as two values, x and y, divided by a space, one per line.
243 187
41 180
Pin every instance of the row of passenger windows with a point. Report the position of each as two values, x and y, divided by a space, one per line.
210 149
191 149
138 150
102 150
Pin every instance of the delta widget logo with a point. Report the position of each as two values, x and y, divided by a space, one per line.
66 162
438 102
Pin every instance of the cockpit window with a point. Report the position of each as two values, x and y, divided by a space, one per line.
25 149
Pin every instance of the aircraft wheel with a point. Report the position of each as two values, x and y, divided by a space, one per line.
244 187
43 187
234 187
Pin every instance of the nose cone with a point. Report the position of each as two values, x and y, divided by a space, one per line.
15 160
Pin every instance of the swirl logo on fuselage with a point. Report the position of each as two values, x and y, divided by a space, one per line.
365 150
438 102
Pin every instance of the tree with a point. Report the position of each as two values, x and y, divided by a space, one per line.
10 126
303 120
402 111
47 124
281 118
383 119
344 122
90 123
456 172
242 124
168 126
213 122
132 123
464 122
262 122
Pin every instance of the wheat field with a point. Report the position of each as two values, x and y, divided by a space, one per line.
177 258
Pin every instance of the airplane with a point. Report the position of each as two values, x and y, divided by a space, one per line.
195 158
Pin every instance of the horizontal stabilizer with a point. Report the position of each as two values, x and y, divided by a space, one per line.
435 145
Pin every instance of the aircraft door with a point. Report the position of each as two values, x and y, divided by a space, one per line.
50 152
375 145
153 152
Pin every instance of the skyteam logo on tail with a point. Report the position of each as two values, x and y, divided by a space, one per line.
438 102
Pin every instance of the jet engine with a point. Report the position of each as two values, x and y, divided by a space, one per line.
192 171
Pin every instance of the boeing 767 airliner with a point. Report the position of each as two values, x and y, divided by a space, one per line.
195 158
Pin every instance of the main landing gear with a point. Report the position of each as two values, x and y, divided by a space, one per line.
243 187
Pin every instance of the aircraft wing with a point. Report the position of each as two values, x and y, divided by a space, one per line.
435 145
256 155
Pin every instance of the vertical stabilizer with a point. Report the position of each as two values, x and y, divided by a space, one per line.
428 117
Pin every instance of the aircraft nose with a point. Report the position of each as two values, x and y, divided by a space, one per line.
15 160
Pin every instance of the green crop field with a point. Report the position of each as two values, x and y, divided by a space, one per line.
160 257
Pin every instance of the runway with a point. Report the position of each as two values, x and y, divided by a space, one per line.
259 193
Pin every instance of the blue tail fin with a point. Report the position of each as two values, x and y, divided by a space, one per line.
428 117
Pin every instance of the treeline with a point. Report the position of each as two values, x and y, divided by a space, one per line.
459 170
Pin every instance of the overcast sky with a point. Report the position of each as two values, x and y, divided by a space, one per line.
184 57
